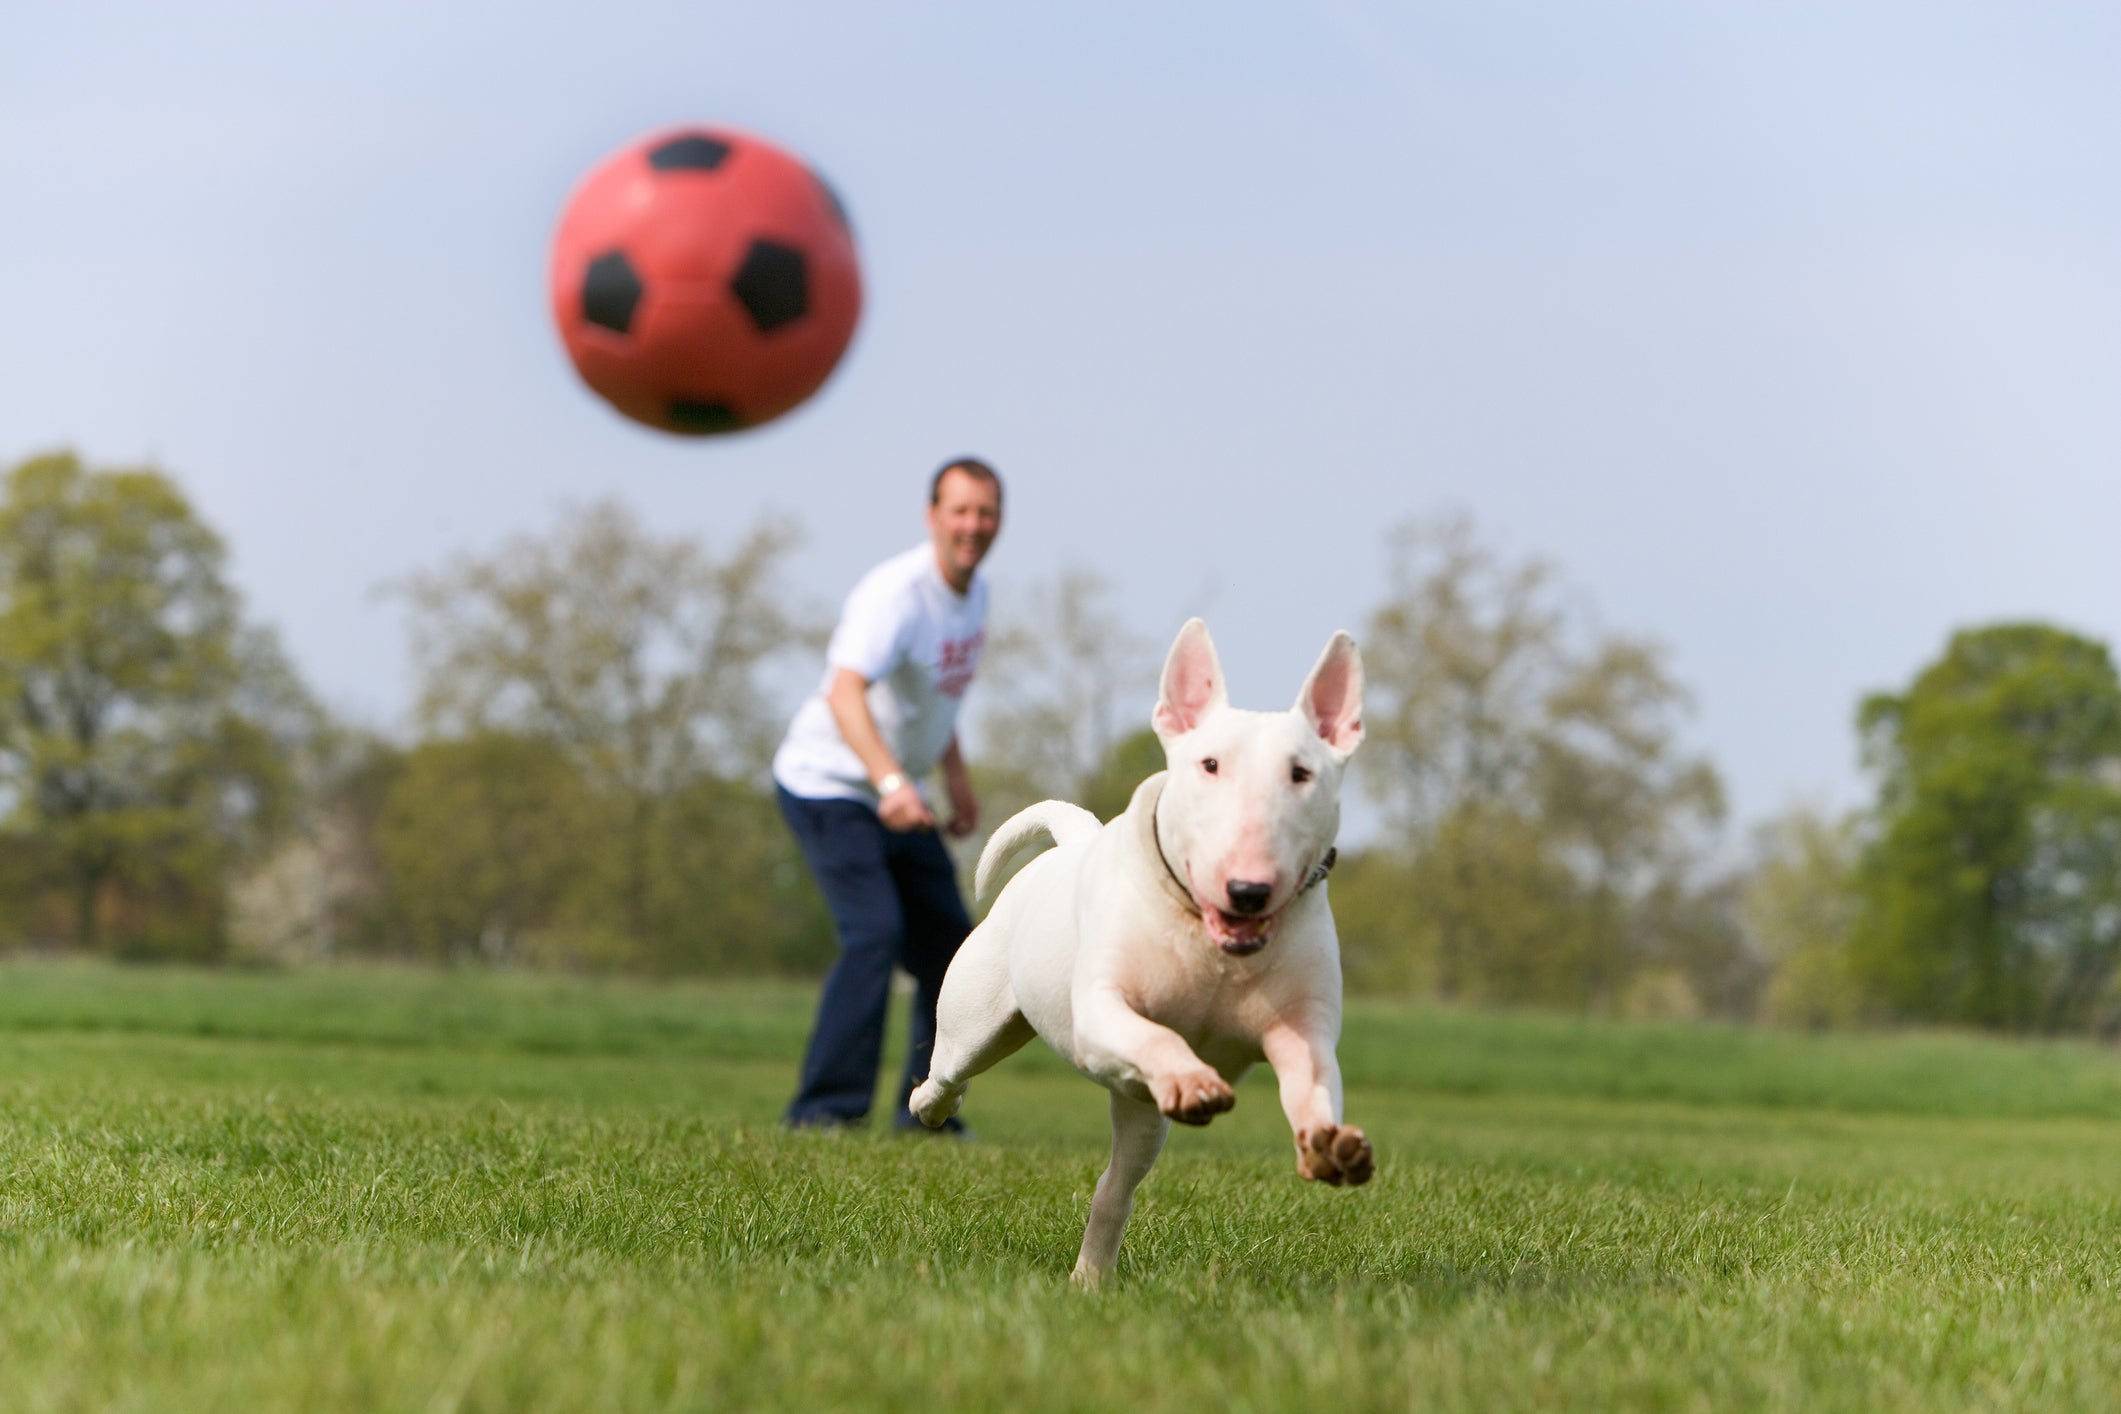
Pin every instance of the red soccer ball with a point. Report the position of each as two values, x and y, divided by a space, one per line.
704 280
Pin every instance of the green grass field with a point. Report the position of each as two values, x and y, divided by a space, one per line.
461 1192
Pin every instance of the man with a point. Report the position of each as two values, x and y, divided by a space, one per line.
847 776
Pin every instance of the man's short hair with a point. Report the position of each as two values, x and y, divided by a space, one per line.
970 466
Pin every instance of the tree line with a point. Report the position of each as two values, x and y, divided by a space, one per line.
584 785
581 787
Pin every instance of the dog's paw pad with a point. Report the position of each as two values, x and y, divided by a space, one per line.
1335 1154
1314 1156
1352 1152
1195 1097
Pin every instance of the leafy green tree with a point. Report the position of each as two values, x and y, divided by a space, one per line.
726 857
1060 671
644 662
1991 891
145 729
1051 717
1128 762
1798 909
1499 915
320 890
495 849
1550 826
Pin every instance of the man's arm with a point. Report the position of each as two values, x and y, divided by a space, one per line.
902 807
964 805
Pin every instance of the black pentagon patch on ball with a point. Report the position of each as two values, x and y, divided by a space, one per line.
773 285
694 152
611 291
691 415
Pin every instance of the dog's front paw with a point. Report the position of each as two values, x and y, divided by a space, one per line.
1193 1096
933 1103
1335 1154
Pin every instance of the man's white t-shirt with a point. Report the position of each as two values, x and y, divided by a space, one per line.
917 642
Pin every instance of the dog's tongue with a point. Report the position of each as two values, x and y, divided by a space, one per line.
1234 934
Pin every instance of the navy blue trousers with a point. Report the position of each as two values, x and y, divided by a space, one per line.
894 899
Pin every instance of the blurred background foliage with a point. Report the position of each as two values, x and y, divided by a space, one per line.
583 783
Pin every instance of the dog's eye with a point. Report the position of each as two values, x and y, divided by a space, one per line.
1209 764
1299 774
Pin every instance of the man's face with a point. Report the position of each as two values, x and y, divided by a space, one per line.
963 522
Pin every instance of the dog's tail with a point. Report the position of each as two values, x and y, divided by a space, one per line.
1050 822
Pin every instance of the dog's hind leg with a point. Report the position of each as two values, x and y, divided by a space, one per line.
976 1024
1138 1132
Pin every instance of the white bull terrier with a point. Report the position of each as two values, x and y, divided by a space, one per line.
1166 952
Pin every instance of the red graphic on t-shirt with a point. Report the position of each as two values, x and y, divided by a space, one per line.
959 661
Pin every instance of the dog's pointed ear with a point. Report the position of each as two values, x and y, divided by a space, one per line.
1192 684
1331 700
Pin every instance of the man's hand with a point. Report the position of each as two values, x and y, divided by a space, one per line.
903 810
964 806
900 808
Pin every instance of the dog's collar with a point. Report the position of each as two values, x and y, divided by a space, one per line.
1156 837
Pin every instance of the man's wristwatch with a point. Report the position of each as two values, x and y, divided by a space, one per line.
890 783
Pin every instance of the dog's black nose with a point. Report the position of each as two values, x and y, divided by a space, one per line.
1249 898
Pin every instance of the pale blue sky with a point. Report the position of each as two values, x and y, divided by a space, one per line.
1792 332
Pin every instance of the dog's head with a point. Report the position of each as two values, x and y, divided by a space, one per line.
1252 802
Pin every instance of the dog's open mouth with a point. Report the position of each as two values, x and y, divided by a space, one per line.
1239 935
